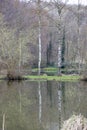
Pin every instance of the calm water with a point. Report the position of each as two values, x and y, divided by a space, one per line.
40 105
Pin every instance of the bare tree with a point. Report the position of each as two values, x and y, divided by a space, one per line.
10 51
59 6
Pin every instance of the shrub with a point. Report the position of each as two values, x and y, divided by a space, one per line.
75 123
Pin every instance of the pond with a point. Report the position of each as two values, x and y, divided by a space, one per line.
40 105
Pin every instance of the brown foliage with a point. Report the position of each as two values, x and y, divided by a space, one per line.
75 123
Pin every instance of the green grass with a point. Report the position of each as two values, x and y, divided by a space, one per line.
50 69
50 78
57 78
45 69
53 70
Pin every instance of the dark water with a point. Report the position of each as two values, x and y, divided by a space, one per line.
30 105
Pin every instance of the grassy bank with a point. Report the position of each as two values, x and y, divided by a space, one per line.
52 71
45 77
57 78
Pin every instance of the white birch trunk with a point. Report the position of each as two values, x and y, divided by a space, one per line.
39 38
59 45
39 61
59 56
78 42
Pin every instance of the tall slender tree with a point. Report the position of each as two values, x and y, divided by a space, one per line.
59 6
39 35
78 39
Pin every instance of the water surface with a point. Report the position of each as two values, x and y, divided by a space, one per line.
31 105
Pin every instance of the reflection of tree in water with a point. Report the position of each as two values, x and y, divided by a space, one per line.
49 91
41 127
40 101
51 88
18 83
20 103
17 107
61 100
3 122
12 117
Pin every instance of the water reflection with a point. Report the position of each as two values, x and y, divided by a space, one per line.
49 91
60 91
40 101
20 104
40 105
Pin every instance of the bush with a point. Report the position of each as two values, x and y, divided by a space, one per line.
75 123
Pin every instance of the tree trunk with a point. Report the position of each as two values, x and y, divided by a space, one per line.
78 40
59 46
39 38
39 61
59 59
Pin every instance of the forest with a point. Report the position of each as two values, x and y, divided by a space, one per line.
43 63
40 34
